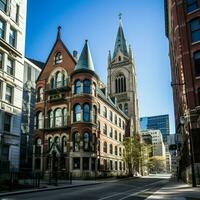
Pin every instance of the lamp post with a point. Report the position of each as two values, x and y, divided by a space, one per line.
183 121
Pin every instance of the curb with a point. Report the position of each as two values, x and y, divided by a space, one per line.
45 189
61 187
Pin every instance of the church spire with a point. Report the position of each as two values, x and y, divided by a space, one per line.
85 59
59 33
120 43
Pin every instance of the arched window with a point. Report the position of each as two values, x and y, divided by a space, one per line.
119 58
58 58
59 80
86 112
195 30
77 113
120 151
105 129
94 89
86 141
57 141
94 142
115 135
76 141
111 132
116 152
50 142
120 137
197 63
120 84
86 86
105 147
126 108
39 120
99 108
95 114
50 118
111 116
77 87
105 112
52 82
38 143
40 94
120 106
58 117
64 143
111 149
64 111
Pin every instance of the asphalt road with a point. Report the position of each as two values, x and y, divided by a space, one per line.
134 189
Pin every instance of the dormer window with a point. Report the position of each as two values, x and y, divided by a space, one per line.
58 58
119 58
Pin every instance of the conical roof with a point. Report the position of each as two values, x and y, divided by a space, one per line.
120 43
85 59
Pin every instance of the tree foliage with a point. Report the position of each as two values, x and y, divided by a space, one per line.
136 154
156 164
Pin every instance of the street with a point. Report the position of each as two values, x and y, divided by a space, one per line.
136 188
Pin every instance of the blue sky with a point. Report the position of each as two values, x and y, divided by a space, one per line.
97 21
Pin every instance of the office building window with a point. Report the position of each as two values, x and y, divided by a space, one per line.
9 93
10 66
12 37
197 63
191 5
17 14
7 122
2 29
195 30
1 86
3 5
1 60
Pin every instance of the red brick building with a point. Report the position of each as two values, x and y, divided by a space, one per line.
183 31
78 127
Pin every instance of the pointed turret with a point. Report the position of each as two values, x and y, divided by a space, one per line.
85 59
120 43
109 58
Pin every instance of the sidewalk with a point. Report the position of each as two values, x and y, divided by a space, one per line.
176 191
62 185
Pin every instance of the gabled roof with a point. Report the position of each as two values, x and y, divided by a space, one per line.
58 39
120 43
85 60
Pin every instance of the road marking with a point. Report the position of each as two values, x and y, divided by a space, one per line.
116 194
107 197
136 193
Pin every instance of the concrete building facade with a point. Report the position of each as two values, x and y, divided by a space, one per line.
32 70
12 45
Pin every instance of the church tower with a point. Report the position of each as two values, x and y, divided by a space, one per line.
121 81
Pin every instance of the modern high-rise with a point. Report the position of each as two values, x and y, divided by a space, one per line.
182 20
159 122
12 45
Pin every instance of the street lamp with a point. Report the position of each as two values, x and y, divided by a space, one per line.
183 121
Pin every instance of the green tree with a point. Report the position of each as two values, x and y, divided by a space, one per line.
156 164
132 153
